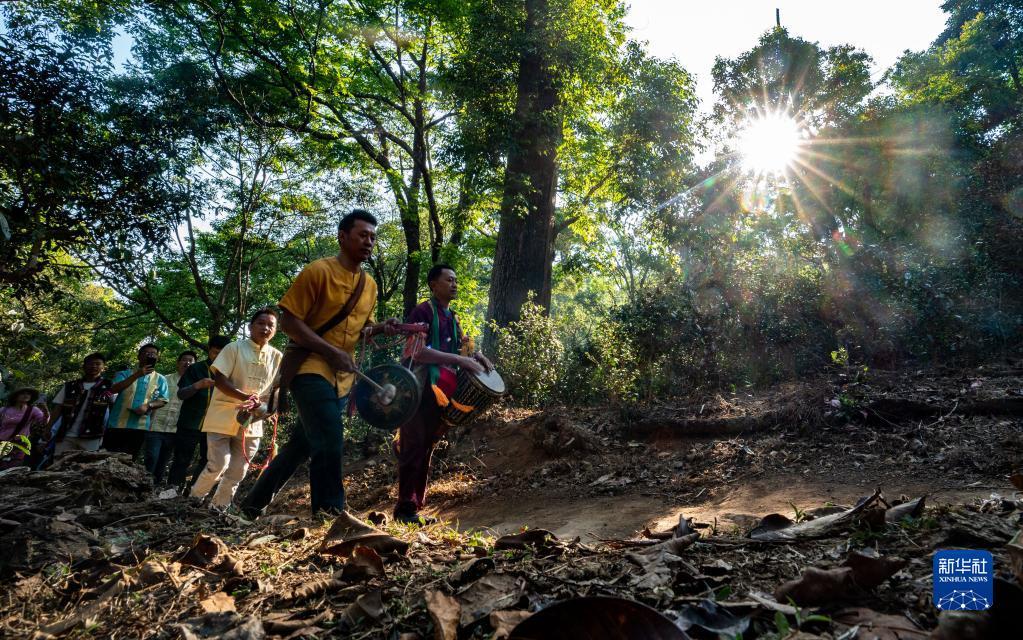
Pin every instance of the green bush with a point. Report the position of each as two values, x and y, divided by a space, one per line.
530 355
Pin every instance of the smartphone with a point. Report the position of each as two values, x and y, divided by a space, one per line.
150 361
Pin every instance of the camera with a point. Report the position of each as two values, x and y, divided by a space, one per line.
149 361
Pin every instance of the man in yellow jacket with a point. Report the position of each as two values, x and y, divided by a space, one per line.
243 375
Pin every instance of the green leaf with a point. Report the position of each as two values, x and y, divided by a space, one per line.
781 623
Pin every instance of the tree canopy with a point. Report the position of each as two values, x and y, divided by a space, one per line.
537 147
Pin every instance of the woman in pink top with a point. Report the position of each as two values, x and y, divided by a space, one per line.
17 419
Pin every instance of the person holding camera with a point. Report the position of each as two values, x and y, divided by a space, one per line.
139 394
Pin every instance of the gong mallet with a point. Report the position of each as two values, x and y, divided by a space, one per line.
385 394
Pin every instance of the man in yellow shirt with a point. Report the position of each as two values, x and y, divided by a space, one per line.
243 377
321 384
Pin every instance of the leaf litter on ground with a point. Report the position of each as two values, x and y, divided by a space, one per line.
98 553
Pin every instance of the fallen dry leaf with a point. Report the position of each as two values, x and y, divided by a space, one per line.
470 570
531 539
370 605
495 591
911 509
365 563
504 621
711 618
210 552
773 526
870 570
770 523
718 567
657 535
219 602
348 532
261 541
114 590
277 520
600 617
298 534
318 587
674 546
816 586
768 602
655 561
879 626
445 612
962 625
204 552
286 623
151 572
225 625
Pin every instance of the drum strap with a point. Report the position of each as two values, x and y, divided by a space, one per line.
434 370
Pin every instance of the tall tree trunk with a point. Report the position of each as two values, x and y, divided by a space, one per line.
413 243
525 241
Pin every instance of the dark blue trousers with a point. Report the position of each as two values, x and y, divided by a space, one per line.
319 437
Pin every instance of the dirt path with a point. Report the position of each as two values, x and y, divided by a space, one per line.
587 472
740 505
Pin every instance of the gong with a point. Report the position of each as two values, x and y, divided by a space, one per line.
386 412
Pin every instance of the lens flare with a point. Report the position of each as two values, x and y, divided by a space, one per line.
768 143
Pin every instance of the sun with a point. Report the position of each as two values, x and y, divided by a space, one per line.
769 143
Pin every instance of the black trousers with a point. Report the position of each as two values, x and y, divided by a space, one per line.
289 458
319 438
184 451
156 453
124 441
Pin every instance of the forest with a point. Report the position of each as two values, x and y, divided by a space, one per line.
786 300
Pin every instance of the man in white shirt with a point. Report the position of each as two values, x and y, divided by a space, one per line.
159 442
243 375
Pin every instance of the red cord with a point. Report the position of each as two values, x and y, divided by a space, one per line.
273 443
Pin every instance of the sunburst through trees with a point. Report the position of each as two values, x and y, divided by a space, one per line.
769 143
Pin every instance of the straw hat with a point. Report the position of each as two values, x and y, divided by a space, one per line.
33 395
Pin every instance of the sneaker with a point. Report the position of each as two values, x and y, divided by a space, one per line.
414 518
249 513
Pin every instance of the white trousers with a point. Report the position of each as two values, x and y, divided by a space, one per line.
225 461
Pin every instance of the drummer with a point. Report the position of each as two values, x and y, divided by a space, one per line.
442 356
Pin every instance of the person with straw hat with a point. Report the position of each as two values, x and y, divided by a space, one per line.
16 421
